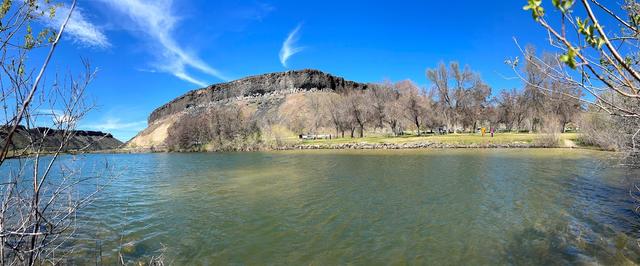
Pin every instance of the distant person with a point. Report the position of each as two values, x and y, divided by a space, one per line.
492 132
483 130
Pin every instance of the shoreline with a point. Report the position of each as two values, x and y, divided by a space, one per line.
411 145
344 146
506 141
366 146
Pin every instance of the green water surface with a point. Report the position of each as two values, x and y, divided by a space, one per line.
437 207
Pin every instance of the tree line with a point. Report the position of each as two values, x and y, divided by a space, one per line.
458 101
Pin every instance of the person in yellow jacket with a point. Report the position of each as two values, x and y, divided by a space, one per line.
483 130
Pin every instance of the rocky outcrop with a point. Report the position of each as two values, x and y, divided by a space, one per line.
51 139
268 98
307 79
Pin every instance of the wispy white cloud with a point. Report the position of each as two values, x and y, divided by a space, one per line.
258 11
181 74
289 47
58 117
79 28
155 20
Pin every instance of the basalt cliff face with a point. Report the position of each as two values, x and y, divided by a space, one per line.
264 96
255 86
51 139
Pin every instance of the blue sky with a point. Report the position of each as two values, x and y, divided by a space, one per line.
149 52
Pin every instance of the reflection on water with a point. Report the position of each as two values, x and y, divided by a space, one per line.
334 207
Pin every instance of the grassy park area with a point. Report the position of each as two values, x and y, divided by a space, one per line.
462 139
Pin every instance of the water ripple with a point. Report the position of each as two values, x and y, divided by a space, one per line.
367 207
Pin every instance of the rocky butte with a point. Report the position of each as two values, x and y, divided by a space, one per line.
78 140
269 98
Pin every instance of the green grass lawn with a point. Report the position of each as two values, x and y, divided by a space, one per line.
465 139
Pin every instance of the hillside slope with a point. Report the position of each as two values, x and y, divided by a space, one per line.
81 139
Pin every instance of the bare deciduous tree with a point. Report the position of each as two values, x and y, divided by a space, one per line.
336 113
317 103
507 109
358 111
378 97
393 108
414 103
462 95
38 196
600 61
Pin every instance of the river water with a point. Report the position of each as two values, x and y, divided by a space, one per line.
439 207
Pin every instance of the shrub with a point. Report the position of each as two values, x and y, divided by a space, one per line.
220 128
549 134
603 131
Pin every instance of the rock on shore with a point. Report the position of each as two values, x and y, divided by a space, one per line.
395 146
